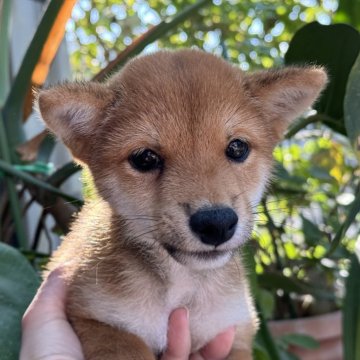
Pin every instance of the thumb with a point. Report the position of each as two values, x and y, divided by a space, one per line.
179 342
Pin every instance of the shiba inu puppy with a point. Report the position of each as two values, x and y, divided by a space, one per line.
180 148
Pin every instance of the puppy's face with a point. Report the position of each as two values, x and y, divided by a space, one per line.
180 145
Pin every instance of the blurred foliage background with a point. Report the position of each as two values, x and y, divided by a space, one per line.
251 33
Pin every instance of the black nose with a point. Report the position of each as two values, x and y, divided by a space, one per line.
214 226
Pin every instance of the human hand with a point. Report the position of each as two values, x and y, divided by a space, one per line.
179 341
47 334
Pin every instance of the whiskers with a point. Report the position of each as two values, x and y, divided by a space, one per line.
141 226
150 230
235 197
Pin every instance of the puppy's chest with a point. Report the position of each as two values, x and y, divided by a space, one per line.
212 307
210 310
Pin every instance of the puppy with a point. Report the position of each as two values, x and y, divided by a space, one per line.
180 148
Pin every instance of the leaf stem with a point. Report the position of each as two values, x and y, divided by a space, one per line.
301 124
34 181
11 188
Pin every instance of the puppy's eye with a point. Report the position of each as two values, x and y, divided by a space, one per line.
238 150
145 160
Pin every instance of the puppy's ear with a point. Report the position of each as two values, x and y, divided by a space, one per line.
285 94
74 112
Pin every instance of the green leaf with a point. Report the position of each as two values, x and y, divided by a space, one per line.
11 189
283 175
352 106
351 312
300 340
312 234
62 174
286 355
259 353
302 123
55 181
319 172
248 259
274 281
18 284
266 302
265 339
37 167
336 47
354 209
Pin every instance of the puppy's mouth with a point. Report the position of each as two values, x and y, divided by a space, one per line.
209 255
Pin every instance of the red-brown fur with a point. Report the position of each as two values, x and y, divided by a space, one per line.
186 106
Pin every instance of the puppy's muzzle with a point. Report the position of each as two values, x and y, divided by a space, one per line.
215 225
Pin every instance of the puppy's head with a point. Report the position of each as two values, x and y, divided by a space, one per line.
180 144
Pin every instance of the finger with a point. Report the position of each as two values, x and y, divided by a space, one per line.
179 342
220 347
49 300
46 332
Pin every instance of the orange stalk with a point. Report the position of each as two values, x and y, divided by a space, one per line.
52 44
